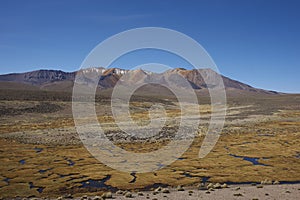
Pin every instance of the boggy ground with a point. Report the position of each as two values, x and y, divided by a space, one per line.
42 156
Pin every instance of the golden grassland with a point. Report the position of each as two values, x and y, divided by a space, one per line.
274 142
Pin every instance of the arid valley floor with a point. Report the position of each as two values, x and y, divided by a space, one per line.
42 155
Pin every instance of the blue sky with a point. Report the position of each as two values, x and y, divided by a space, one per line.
253 41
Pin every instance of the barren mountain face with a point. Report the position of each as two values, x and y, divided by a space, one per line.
108 78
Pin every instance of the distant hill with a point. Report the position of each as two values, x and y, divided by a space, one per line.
38 77
57 80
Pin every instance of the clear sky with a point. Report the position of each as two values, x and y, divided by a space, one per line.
253 41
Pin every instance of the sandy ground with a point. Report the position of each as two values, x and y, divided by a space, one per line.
285 191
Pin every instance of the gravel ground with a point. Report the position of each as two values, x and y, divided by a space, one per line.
280 192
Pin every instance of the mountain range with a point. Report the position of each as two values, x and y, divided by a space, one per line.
57 80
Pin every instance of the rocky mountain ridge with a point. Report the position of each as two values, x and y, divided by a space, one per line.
109 78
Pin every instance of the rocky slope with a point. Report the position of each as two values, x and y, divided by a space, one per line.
60 80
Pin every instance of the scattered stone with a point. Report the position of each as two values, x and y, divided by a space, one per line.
84 197
207 192
165 190
266 182
154 199
202 186
253 184
155 192
217 186
98 198
107 195
237 195
68 196
191 192
59 198
180 188
267 194
224 185
238 188
210 185
255 199
119 192
128 195
158 189
140 194
259 186
211 189
287 191
276 182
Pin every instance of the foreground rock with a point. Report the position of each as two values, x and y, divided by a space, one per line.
280 192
